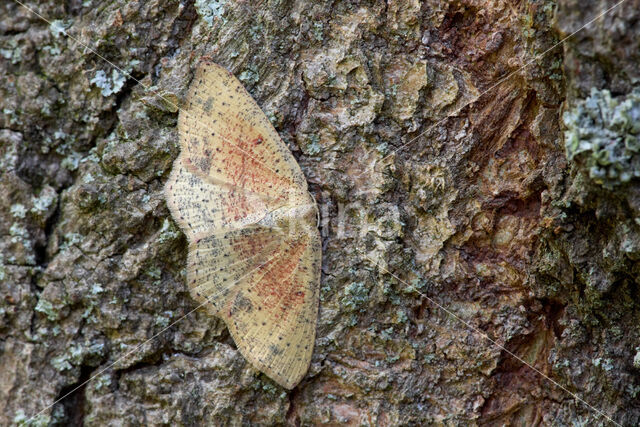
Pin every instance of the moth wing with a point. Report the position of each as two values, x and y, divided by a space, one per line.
201 206
219 264
272 316
225 134
233 171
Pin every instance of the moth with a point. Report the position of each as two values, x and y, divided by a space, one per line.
242 200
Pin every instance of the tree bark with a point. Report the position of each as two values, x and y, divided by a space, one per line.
462 223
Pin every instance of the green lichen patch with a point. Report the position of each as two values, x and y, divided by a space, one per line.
168 231
46 307
21 419
355 296
603 137
249 76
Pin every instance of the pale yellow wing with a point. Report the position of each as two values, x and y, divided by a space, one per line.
219 264
264 285
200 206
226 135
272 316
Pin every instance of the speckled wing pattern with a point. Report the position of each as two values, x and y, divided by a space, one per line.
254 249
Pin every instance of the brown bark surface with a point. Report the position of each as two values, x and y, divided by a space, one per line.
432 136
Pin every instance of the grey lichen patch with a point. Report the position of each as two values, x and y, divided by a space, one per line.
249 77
44 203
636 359
603 363
317 31
163 319
209 10
311 145
18 210
18 233
21 244
58 27
102 381
77 354
603 137
72 161
108 85
168 232
11 51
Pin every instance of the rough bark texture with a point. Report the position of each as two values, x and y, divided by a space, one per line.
486 214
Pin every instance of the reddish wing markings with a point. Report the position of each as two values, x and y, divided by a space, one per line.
274 286
236 205
209 297
251 247
237 163
277 289
248 173
205 275
199 203
247 248
280 347
262 271
243 148
241 122
228 185
245 244
245 177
